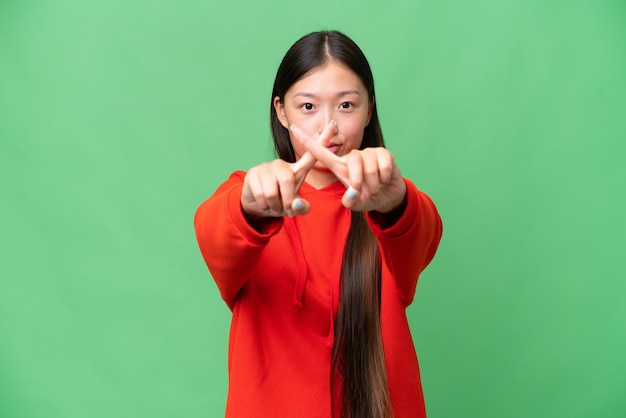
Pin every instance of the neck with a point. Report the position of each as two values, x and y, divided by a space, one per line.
320 177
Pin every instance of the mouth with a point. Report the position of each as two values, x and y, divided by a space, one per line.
332 147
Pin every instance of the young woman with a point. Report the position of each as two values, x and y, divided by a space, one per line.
318 252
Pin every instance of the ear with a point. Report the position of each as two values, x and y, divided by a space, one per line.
280 112
370 110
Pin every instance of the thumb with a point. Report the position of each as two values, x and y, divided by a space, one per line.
300 206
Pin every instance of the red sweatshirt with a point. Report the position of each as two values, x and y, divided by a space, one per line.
282 286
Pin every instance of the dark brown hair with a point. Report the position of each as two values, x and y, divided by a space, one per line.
358 352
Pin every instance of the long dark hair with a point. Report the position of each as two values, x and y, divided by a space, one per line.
358 352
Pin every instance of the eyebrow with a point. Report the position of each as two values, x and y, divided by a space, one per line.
340 94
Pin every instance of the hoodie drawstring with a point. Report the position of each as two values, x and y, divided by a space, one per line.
330 339
296 243
301 277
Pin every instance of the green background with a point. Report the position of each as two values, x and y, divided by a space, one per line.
118 118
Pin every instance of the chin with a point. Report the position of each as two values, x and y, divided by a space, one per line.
321 167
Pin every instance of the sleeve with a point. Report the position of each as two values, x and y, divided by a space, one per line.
409 244
229 245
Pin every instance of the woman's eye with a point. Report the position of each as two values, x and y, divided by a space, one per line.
307 106
345 105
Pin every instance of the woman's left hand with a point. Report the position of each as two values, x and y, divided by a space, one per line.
371 175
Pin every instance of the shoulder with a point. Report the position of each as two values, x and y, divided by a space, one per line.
238 175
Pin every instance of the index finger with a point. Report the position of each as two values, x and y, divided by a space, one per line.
320 152
301 167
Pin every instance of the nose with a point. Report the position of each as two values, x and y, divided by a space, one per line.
324 119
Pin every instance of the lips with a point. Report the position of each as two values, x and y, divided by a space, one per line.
332 147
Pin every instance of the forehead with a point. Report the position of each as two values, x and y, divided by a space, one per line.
330 77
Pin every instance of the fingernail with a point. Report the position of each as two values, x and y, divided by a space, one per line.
333 122
293 125
297 204
351 193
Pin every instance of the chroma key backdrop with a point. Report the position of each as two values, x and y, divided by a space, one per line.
118 118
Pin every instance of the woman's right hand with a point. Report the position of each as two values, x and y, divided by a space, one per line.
271 189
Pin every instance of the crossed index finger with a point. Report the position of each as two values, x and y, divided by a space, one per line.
307 160
320 153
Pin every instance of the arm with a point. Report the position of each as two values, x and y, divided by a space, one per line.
235 224
230 246
409 240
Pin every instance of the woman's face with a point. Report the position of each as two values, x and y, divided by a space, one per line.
329 92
